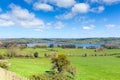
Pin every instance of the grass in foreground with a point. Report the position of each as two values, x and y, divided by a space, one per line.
88 68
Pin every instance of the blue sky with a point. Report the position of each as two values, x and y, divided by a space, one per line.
59 18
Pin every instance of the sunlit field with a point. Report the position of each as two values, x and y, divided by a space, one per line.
88 68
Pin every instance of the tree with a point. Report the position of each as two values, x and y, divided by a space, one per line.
61 70
62 64
51 45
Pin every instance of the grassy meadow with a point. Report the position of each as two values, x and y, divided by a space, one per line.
88 68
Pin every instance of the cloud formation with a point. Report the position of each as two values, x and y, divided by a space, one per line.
88 27
63 3
109 2
98 9
20 17
80 8
42 6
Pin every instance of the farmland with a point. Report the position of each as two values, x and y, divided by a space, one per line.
88 68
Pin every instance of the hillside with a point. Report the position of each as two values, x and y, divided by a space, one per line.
62 40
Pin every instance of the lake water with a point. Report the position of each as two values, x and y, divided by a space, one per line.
77 45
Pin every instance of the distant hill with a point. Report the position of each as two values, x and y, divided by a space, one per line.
62 40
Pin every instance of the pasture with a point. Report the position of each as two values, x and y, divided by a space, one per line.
88 68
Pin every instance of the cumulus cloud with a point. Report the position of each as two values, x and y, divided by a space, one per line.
5 20
6 23
88 27
42 6
63 3
58 3
105 1
98 9
80 8
20 17
59 25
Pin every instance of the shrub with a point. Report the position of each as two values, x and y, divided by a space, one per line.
47 55
91 47
111 46
4 64
50 77
2 56
85 55
60 62
61 70
41 46
36 55
51 45
68 46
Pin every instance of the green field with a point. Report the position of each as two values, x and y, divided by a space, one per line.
67 51
88 68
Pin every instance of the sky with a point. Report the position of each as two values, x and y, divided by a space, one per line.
59 18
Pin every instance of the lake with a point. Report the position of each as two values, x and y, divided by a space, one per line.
55 44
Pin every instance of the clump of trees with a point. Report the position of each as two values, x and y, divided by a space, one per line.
36 55
61 70
41 46
14 51
111 46
68 46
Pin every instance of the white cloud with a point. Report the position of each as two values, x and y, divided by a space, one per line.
21 17
5 20
84 20
110 25
80 8
6 23
98 9
58 3
63 3
105 1
43 6
59 25
88 27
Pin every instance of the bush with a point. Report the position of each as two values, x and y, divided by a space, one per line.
50 77
47 55
68 46
36 55
91 47
2 56
4 64
41 46
51 45
61 70
111 46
